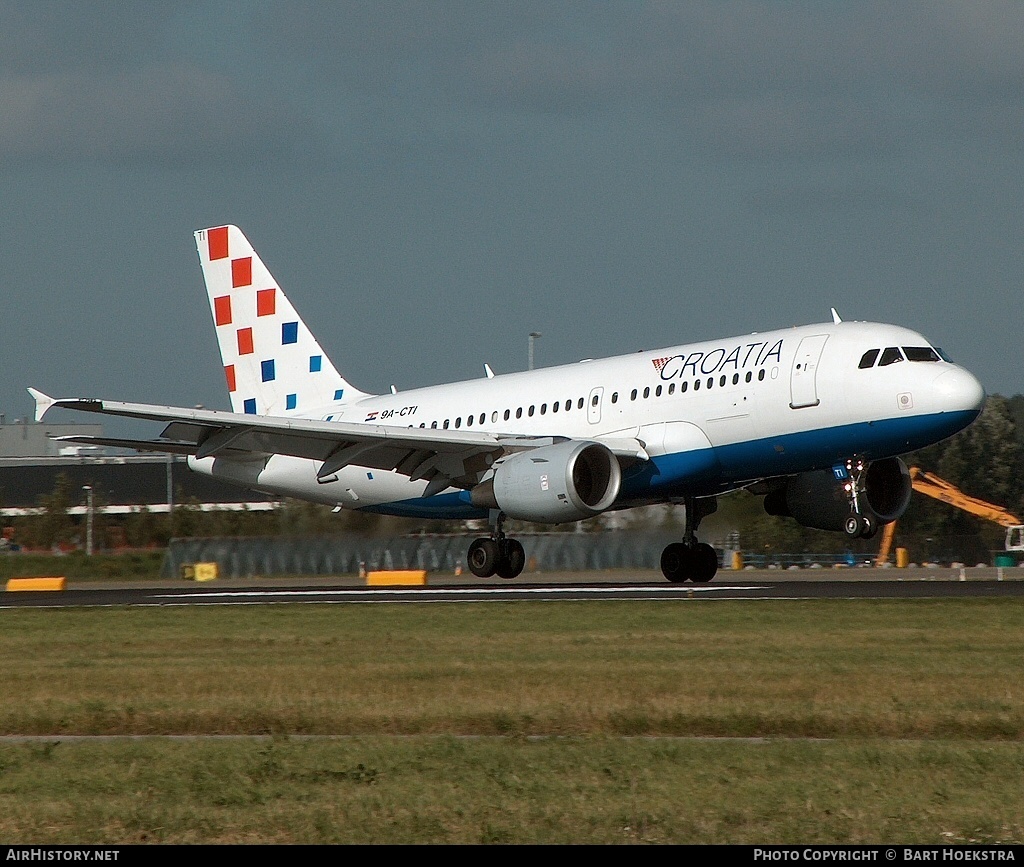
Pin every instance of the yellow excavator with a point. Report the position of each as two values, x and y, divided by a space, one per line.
939 489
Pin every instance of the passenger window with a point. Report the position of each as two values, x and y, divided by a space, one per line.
748 377
722 379
446 424
657 391
868 359
920 353
683 386
543 409
632 394
433 425
555 406
494 417
760 375
519 412
593 400
711 381
508 412
696 385
568 405
615 397
647 393
529 412
469 421
581 403
735 378
890 355
458 421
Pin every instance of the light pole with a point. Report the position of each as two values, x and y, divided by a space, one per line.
533 336
88 519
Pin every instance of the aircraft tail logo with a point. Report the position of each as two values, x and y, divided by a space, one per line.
272 362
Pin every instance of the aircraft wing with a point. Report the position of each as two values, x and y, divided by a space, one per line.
443 457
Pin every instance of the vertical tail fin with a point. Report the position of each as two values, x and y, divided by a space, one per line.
273 363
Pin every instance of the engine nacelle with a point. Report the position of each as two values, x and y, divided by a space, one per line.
554 484
819 500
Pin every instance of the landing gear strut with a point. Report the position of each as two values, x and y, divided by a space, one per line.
496 555
858 525
690 559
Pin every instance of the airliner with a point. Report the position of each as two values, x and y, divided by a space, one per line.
813 418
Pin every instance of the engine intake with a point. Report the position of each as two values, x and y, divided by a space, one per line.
554 484
818 499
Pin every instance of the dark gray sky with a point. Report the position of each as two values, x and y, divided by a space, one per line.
431 181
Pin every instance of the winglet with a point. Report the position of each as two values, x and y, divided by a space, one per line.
488 372
43 402
835 317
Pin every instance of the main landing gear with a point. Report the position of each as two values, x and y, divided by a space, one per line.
497 555
858 525
690 559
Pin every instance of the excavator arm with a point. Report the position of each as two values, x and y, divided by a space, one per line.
939 489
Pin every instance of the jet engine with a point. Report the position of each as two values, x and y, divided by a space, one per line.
553 484
818 499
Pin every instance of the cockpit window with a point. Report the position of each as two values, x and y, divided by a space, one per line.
868 359
943 355
920 353
890 355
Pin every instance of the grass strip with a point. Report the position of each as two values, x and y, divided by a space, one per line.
428 790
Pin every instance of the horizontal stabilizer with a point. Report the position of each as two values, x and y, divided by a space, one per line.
43 402
139 445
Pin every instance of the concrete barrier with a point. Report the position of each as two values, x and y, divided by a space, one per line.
397 577
47 583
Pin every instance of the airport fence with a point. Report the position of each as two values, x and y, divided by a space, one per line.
348 555
244 557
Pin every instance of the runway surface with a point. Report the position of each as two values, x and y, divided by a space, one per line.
920 583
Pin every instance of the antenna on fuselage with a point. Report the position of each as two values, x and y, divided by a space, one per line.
835 317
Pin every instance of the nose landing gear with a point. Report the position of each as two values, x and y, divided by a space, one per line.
859 525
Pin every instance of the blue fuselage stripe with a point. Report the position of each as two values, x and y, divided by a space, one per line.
704 472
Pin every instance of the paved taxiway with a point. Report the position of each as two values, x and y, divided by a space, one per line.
917 583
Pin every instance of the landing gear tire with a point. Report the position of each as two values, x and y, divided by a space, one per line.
675 562
705 563
512 559
681 562
483 557
860 527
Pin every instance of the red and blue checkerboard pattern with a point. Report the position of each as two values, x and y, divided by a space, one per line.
272 362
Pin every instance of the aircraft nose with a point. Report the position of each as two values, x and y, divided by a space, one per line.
958 389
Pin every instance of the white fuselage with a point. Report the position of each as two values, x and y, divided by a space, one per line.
711 416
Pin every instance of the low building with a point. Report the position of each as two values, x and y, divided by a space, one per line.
31 464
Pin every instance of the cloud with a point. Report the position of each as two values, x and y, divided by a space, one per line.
745 79
167 113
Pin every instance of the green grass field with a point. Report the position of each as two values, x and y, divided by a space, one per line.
568 722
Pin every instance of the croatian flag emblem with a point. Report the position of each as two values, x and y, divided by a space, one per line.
372 416
659 363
